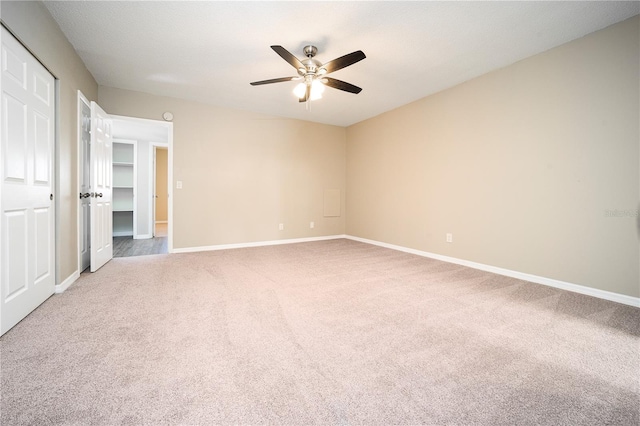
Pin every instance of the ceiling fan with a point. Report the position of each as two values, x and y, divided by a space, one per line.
311 73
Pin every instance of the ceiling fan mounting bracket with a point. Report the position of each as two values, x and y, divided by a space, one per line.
310 51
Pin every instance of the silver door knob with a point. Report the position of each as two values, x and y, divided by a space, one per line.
98 194
85 195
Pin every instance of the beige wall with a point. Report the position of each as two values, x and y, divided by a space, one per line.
162 158
243 173
521 165
34 27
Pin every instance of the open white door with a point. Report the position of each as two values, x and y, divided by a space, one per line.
101 183
27 226
84 182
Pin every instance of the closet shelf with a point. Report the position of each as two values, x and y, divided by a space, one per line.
123 199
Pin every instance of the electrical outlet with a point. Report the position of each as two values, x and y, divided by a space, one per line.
312 225
449 238
281 226
178 184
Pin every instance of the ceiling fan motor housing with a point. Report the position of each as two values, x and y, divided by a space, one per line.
311 65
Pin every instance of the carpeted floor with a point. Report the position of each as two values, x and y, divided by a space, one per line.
331 332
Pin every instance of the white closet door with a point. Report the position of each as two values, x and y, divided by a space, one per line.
27 230
101 186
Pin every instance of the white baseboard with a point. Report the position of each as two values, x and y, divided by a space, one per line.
142 236
255 244
576 288
122 234
60 288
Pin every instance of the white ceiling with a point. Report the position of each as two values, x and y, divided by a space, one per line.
210 51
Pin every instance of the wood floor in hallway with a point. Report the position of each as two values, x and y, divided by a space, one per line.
127 246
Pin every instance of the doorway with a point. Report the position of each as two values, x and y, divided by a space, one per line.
160 185
149 136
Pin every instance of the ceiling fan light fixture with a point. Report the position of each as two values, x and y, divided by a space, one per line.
313 72
317 89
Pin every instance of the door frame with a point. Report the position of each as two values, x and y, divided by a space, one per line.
152 183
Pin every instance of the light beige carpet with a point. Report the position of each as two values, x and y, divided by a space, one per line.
333 332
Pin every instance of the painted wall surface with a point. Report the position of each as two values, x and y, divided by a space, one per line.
532 168
243 173
36 29
162 159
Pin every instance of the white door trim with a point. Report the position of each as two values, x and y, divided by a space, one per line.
152 181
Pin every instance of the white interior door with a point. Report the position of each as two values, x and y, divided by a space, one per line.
84 182
27 228
101 185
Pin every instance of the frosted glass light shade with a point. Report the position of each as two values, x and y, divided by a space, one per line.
317 88
299 90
